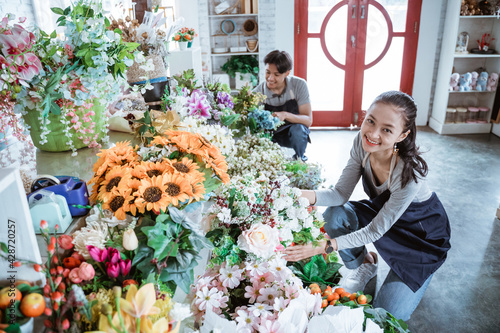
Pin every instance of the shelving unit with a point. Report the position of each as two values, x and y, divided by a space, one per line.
451 62
221 40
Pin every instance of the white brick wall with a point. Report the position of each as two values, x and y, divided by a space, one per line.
20 8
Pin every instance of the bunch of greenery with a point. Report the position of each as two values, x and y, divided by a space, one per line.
306 176
243 64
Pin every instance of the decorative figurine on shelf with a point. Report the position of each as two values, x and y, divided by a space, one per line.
492 82
484 44
473 83
462 42
482 81
454 81
465 80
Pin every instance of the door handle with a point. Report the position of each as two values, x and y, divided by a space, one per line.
353 11
362 12
353 41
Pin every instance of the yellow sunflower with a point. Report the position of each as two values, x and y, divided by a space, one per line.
188 167
177 187
151 195
122 154
113 179
97 181
120 201
197 191
184 140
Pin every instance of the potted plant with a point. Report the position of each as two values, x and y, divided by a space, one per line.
184 36
72 80
244 68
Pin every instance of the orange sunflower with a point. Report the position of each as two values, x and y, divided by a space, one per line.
197 190
151 169
114 178
184 140
97 181
151 195
188 167
119 204
177 187
133 185
122 154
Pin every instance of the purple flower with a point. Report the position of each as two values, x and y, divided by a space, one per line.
114 255
113 270
224 100
125 266
198 105
97 254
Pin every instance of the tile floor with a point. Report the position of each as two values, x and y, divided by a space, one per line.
464 171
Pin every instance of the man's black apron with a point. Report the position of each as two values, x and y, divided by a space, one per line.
416 245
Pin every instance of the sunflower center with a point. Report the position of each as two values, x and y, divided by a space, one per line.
173 189
152 173
181 167
112 183
152 194
116 203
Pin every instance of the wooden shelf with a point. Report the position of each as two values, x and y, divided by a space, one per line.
462 128
478 16
231 15
472 91
234 53
476 55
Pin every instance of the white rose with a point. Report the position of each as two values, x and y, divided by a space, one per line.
260 240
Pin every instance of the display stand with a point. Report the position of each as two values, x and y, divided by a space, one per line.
179 61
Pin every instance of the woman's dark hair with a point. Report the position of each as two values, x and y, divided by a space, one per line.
281 59
408 150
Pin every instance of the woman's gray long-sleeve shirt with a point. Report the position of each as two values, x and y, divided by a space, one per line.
392 210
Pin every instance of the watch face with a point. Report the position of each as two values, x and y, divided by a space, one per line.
329 249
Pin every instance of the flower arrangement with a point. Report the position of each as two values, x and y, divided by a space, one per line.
260 120
161 183
256 156
221 137
18 66
253 295
184 35
79 77
306 176
254 218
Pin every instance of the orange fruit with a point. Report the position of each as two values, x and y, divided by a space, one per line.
333 302
313 285
345 294
327 292
32 305
324 303
333 297
353 296
340 291
315 290
362 299
8 296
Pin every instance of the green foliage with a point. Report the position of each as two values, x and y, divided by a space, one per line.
243 64
305 176
187 79
386 321
317 271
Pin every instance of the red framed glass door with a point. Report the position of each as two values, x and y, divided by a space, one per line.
349 51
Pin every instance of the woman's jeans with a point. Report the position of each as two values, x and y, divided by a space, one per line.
394 295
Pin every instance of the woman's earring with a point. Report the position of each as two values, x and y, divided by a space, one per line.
395 151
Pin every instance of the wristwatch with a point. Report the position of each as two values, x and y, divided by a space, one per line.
329 247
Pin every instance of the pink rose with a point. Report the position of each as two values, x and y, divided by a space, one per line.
65 242
74 276
86 272
260 239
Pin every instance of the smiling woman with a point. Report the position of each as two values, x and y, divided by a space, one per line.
403 218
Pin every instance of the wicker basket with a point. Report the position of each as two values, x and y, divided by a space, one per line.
224 7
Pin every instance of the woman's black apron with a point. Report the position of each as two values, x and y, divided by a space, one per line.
416 245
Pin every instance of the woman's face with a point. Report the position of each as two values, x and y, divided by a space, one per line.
382 128
275 79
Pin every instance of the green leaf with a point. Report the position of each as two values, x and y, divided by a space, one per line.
57 10
23 287
186 257
106 21
79 26
144 252
4 247
53 34
118 31
67 10
13 328
55 109
82 52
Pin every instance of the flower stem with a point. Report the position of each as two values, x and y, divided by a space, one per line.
110 321
117 302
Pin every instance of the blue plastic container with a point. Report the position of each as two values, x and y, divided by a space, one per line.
72 189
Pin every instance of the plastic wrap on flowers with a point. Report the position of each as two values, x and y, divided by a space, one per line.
82 126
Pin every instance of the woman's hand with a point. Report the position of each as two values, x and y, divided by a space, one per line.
299 252
309 195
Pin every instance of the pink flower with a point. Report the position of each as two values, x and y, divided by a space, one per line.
44 225
198 105
86 271
210 299
113 270
114 255
65 242
264 278
270 326
230 276
97 254
252 292
74 276
125 266
260 239
65 324
267 295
